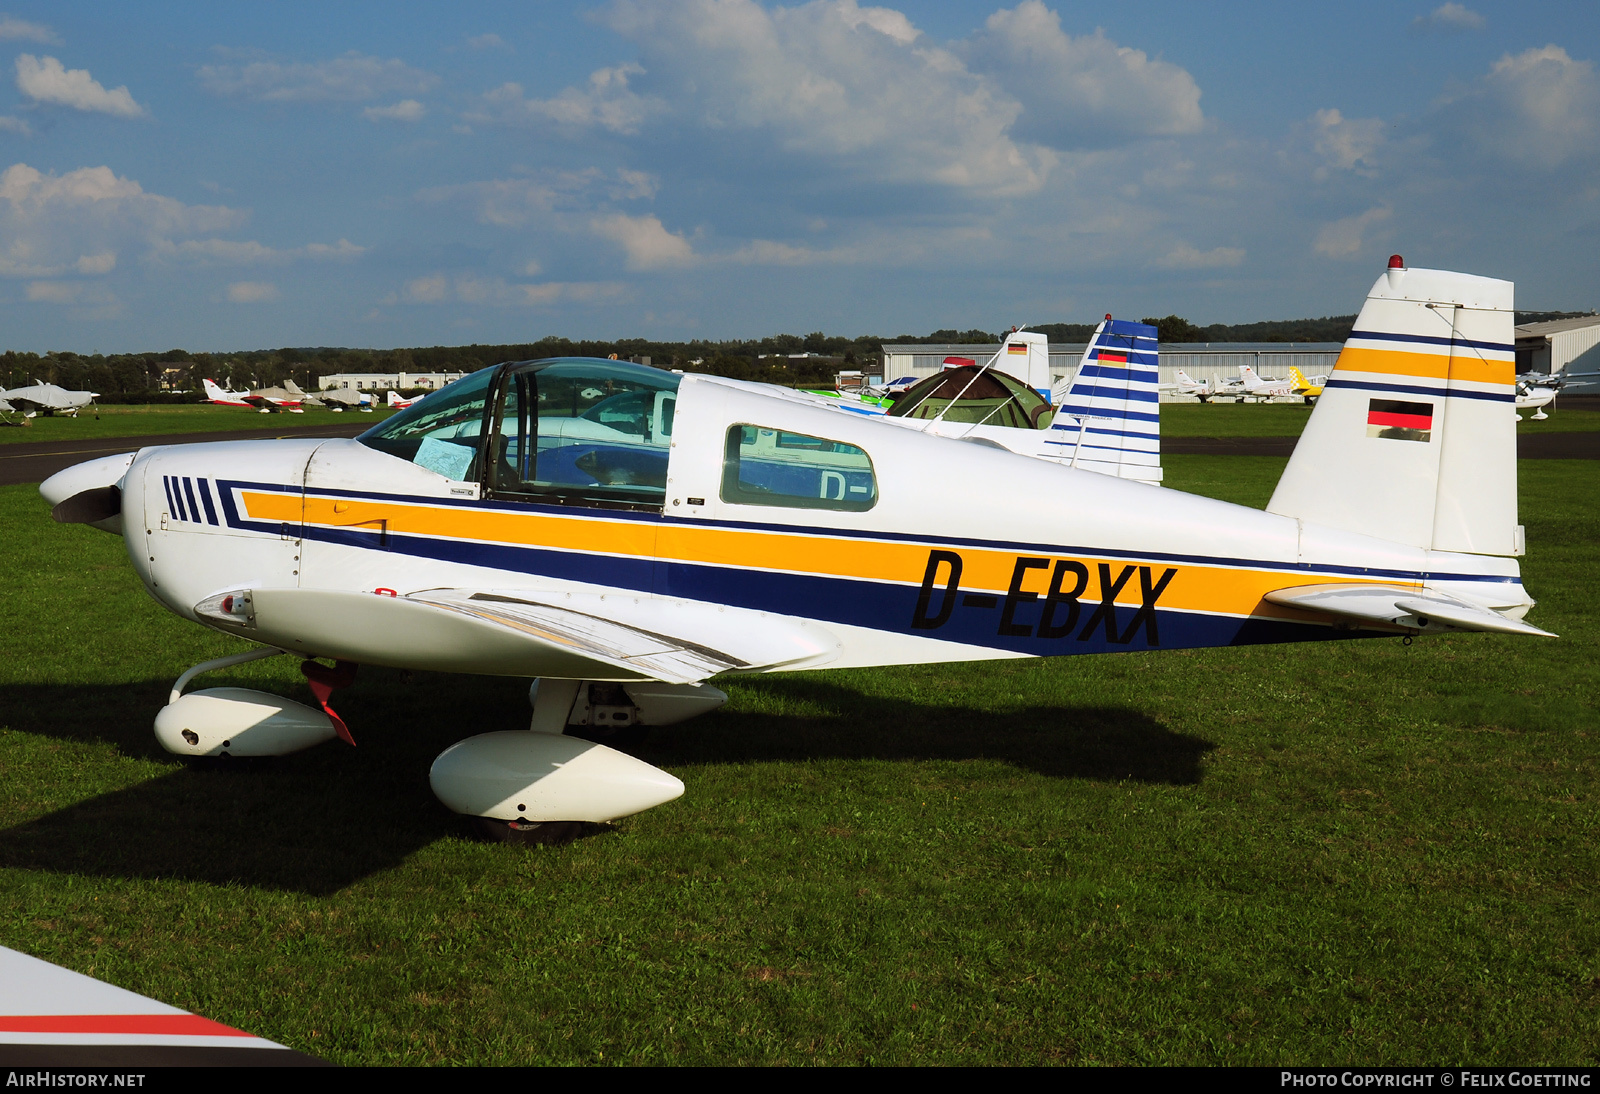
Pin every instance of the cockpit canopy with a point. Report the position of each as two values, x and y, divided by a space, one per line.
561 430
972 394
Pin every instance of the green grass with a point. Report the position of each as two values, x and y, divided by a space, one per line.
95 422
1346 853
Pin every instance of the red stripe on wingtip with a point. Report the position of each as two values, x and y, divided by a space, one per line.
186 1025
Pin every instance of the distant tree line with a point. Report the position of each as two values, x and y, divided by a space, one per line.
791 359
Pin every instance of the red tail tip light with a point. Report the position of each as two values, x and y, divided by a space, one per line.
1396 262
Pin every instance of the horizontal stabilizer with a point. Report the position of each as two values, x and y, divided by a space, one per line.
1401 606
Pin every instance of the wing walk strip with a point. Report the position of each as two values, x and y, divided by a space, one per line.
655 654
1236 590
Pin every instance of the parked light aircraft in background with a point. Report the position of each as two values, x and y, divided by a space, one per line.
46 399
720 527
1258 389
396 402
337 399
1306 389
1535 391
268 400
1188 385
1104 417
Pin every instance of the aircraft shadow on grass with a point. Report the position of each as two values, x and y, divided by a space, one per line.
321 820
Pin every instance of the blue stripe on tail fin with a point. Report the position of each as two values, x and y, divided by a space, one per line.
1108 418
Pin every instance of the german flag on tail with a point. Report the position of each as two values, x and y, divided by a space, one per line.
1395 420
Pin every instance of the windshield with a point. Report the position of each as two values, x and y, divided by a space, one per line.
443 431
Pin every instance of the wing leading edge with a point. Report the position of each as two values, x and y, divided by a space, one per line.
517 633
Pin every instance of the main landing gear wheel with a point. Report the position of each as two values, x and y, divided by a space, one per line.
531 833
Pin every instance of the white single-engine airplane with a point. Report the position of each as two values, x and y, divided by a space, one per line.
268 400
695 526
47 399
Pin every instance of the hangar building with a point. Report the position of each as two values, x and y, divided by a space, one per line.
1560 344
1201 360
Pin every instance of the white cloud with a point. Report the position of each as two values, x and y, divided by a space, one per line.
21 30
497 292
1343 144
45 80
249 252
342 251
102 263
86 300
607 103
1347 238
767 252
1539 107
828 82
55 292
1449 17
487 41
1185 257
426 290
544 196
649 246
354 77
1085 90
50 224
406 110
9 124
252 292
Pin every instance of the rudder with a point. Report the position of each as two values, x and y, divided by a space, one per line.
1414 436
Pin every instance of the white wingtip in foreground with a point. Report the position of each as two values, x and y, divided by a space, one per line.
50 1016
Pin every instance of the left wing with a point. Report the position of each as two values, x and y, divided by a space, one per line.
584 636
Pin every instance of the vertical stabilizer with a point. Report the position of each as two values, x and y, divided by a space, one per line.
1026 355
1414 436
1111 413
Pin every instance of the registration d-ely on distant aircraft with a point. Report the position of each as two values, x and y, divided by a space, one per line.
624 534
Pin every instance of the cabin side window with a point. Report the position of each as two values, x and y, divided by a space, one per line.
764 466
584 433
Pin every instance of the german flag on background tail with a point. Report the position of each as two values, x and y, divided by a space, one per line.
1395 420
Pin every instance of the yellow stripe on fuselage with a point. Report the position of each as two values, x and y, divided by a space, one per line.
1194 587
1437 366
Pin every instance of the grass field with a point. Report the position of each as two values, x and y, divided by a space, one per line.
138 421
1340 853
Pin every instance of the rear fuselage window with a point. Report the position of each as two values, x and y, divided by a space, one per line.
764 466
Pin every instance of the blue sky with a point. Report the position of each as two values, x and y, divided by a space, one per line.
214 177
